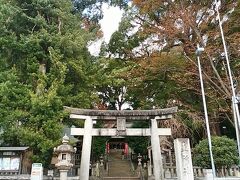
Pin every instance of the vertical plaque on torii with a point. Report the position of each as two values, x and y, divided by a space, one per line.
121 125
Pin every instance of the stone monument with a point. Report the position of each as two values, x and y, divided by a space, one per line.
183 159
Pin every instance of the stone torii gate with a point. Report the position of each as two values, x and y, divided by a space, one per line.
121 116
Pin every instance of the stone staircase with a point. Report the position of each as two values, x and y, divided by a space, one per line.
118 168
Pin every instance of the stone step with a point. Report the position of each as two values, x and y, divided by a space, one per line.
118 167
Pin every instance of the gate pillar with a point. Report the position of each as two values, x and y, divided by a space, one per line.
86 149
156 151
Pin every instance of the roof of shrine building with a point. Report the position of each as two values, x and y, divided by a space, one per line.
128 114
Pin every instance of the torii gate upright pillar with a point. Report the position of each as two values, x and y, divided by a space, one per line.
156 151
86 149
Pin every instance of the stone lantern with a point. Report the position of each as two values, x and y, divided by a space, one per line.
101 160
139 159
64 152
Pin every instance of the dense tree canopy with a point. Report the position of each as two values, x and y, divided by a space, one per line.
161 38
44 65
149 63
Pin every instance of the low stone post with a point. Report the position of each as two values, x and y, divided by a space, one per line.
64 152
149 167
139 168
97 170
150 161
101 168
208 174
183 159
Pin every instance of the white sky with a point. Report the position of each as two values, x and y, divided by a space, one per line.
109 24
111 19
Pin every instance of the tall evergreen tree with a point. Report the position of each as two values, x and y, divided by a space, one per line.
45 65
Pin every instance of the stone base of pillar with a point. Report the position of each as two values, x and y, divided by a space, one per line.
151 178
63 174
78 171
149 170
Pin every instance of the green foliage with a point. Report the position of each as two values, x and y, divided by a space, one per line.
121 44
28 118
42 130
112 83
14 105
44 65
224 152
195 127
139 144
99 146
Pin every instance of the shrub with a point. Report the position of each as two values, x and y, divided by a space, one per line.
224 152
